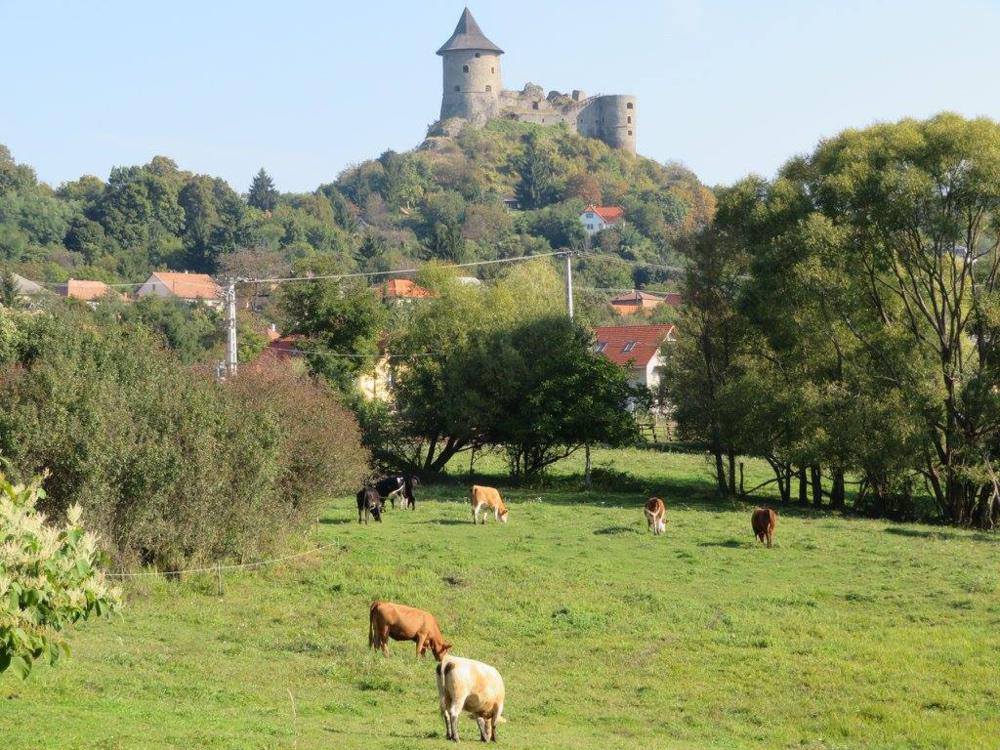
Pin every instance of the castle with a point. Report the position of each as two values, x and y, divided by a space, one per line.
473 92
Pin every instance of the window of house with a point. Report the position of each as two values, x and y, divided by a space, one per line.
465 68
629 346
590 215
600 346
629 106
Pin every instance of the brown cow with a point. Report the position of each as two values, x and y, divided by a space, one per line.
656 515
486 499
401 623
763 521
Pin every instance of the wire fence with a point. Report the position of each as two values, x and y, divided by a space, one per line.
221 568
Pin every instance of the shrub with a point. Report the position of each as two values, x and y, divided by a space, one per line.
49 578
169 465
320 451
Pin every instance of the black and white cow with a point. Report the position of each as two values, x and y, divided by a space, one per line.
399 484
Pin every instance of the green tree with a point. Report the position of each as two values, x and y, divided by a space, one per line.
263 194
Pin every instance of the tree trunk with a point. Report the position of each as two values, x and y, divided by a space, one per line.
742 490
732 473
837 493
586 466
803 486
720 472
817 485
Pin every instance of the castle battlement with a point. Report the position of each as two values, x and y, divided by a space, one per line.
473 92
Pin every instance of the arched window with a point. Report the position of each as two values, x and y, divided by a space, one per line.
489 88
465 68
477 54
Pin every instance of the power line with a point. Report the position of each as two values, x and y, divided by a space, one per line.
371 274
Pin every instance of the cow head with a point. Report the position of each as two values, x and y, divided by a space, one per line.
440 649
503 516
375 508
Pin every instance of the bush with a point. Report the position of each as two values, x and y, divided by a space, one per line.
320 447
170 465
49 578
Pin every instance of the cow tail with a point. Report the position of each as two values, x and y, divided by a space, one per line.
371 625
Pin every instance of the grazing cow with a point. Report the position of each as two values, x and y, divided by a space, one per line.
656 515
763 521
401 623
467 685
369 502
485 499
400 484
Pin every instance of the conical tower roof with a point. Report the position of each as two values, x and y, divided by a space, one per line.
468 35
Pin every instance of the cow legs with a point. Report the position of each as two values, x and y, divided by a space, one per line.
453 714
383 635
484 731
475 514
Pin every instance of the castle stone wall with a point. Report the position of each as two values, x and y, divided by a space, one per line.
472 85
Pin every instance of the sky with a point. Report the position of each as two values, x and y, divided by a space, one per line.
305 89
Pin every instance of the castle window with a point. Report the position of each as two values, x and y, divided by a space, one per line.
493 70
477 54
458 88
465 68
629 106
534 105
630 132
630 119
489 88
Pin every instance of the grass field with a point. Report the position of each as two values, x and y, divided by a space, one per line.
847 634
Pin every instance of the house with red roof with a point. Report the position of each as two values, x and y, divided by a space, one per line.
404 289
636 347
598 218
88 291
190 287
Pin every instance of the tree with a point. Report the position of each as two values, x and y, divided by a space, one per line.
49 578
263 194
341 323
535 188
10 293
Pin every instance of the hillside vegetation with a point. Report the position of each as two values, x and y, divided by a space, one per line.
848 634
442 201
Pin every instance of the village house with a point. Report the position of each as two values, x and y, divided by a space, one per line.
402 290
87 291
189 287
598 218
637 302
637 348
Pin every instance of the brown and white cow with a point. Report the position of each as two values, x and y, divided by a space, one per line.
474 687
763 522
656 515
401 623
486 499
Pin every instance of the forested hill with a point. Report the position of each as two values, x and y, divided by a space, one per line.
444 200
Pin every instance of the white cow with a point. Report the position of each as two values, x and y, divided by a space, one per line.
474 687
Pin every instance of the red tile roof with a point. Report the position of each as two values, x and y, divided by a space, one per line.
642 343
285 347
405 289
188 285
610 214
635 297
85 290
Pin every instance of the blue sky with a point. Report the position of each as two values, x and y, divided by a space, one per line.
308 88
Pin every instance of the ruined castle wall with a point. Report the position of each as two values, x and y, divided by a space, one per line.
611 119
471 85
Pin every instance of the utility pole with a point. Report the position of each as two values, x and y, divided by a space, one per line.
231 328
569 284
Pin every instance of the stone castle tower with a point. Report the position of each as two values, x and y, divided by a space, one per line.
471 73
473 92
